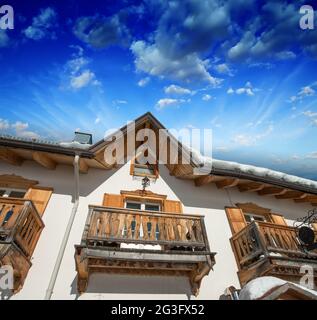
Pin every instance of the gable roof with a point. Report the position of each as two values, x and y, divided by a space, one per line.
224 174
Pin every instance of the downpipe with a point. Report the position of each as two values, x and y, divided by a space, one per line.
61 252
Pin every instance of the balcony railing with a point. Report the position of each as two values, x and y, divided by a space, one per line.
123 240
20 224
263 241
172 231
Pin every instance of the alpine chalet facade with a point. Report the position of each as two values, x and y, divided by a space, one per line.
73 226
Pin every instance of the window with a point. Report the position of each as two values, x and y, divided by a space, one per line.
142 206
250 217
13 193
139 168
152 207
133 205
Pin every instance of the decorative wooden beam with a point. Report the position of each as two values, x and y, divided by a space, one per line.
181 170
250 187
291 195
271 191
10 157
204 180
44 160
308 198
227 183
18 182
83 166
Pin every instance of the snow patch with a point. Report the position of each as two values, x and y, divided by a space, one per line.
75 145
258 287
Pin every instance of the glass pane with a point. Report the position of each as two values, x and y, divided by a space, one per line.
2 192
247 218
257 218
17 194
152 207
149 170
133 205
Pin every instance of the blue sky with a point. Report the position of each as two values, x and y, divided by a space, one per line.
243 68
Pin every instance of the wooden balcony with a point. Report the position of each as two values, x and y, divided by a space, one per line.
20 228
143 242
264 248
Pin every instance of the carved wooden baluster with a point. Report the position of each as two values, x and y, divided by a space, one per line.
162 229
179 230
121 226
137 227
107 217
153 221
114 224
170 229
129 221
190 234
145 221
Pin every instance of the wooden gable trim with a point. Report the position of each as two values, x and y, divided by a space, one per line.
14 181
143 194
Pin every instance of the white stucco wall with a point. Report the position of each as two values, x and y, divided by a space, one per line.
206 200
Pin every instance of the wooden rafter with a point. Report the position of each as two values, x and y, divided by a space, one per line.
44 160
290 195
227 183
10 157
204 180
83 166
271 191
308 198
250 187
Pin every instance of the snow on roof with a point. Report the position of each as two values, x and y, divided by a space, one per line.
75 145
259 172
259 287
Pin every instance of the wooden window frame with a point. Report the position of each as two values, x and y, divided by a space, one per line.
256 210
133 165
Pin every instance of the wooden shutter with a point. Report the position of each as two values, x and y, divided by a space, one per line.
278 219
173 206
40 197
113 200
236 219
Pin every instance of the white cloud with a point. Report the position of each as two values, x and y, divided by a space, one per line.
223 68
143 82
19 128
187 68
85 78
163 103
312 155
78 76
42 25
4 124
97 120
206 97
251 139
285 55
100 31
120 101
312 116
247 90
306 91
174 89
